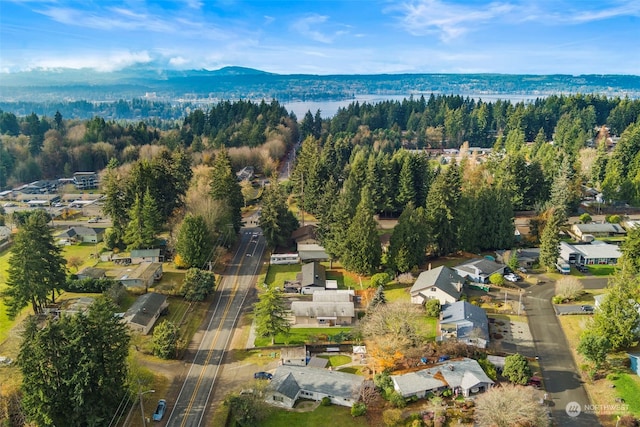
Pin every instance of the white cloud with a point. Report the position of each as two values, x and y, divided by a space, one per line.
629 8
178 61
310 25
99 62
449 21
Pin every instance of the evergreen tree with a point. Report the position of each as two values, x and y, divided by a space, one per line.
516 369
306 175
630 248
271 315
165 340
362 249
194 243
276 220
550 239
409 240
75 368
617 318
378 297
145 223
36 266
442 210
115 201
225 188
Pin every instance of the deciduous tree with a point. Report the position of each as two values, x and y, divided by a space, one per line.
197 284
165 340
510 405
569 288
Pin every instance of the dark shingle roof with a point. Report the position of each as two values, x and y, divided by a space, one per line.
441 277
144 308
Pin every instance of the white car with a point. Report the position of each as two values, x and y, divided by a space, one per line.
511 277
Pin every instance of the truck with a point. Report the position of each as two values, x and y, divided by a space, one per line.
563 266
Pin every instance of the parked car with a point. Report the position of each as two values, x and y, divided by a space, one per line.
262 375
522 269
535 382
160 409
9 205
587 308
582 268
511 277
93 220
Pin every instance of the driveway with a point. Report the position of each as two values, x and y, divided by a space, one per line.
561 379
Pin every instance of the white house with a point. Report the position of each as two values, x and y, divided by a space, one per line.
479 269
441 283
291 383
463 376
596 252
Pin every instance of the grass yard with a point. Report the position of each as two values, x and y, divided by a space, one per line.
628 388
278 274
601 270
397 292
171 281
85 251
302 335
336 360
5 323
346 280
320 417
429 328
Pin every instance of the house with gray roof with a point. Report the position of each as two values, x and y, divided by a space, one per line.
144 312
291 383
82 234
327 308
441 283
598 230
143 276
479 269
92 273
464 322
312 278
594 253
145 255
463 376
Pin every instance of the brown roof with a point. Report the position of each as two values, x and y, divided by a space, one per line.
303 233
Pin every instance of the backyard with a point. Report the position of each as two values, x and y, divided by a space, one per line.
306 335
319 417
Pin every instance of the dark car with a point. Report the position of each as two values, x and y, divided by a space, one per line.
582 269
262 375
587 308
159 413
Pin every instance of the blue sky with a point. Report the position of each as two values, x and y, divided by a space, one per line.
324 36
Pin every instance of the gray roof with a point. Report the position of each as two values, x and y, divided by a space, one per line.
485 266
464 373
92 272
333 296
467 317
600 228
313 274
139 253
145 308
332 383
322 309
80 231
442 278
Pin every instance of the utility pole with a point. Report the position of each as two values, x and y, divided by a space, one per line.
140 393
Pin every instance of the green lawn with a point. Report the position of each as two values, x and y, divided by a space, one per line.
397 292
628 388
345 279
337 360
84 251
278 274
429 328
601 270
5 323
320 417
303 336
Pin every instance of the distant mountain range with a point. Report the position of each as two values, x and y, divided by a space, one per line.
247 83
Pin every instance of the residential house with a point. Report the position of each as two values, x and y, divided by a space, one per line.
327 308
142 276
312 277
479 269
92 273
85 180
305 235
145 255
597 230
464 322
81 234
596 252
291 383
144 312
463 376
245 174
441 283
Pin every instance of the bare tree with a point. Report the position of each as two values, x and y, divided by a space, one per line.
569 288
365 392
511 405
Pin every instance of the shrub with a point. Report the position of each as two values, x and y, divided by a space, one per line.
405 278
88 285
397 400
379 279
325 401
392 417
432 308
358 409
557 299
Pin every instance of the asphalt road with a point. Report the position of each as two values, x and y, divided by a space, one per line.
193 399
562 382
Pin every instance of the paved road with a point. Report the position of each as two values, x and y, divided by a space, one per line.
559 372
193 399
